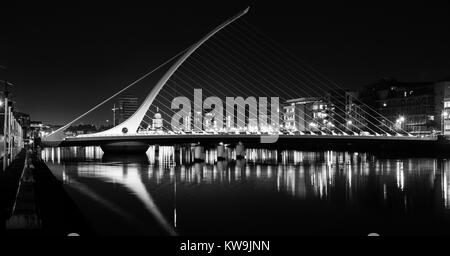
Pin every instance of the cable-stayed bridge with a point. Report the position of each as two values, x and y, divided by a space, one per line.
257 73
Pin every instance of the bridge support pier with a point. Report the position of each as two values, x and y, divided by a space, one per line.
199 153
125 147
240 151
221 152
177 154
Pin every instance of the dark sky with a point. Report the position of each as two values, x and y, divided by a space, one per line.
66 59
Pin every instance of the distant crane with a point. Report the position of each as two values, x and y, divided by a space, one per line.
114 109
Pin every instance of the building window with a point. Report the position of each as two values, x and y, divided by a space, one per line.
447 104
447 127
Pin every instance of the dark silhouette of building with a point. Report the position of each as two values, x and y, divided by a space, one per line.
24 120
416 107
128 104
82 129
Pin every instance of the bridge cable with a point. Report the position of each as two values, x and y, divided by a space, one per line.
258 81
231 84
336 99
323 77
122 90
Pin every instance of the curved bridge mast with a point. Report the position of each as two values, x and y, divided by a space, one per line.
132 123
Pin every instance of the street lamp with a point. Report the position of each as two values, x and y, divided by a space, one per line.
114 109
399 122
349 125
445 114
313 125
6 120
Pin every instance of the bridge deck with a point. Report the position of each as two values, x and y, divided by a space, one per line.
87 140
397 144
218 137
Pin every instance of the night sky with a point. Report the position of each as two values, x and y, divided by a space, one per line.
64 60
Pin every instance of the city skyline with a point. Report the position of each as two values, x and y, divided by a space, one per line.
223 120
106 51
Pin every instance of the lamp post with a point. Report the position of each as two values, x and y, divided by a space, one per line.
10 138
444 116
5 127
114 109
349 125
400 121
6 119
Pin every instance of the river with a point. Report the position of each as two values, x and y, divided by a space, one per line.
271 192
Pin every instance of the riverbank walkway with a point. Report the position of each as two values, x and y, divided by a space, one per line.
34 202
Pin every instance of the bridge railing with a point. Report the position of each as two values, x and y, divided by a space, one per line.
204 133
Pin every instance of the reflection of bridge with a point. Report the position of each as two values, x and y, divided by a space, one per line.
296 172
128 135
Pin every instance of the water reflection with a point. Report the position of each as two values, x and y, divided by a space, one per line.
297 173
166 172
125 158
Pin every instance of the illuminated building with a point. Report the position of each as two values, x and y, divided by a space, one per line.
305 114
157 121
418 107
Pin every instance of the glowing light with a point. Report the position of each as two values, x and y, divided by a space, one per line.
400 120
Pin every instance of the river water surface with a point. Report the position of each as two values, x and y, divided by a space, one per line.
164 192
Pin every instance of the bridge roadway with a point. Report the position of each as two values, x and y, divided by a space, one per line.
337 142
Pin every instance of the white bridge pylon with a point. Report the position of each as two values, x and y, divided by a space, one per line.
132 123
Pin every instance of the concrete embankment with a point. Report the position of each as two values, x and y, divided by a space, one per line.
9 184
59 214
40 205
24 212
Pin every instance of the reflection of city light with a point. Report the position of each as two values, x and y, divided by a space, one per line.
400 175
298 174
349 176
291 180
58 155
446 184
